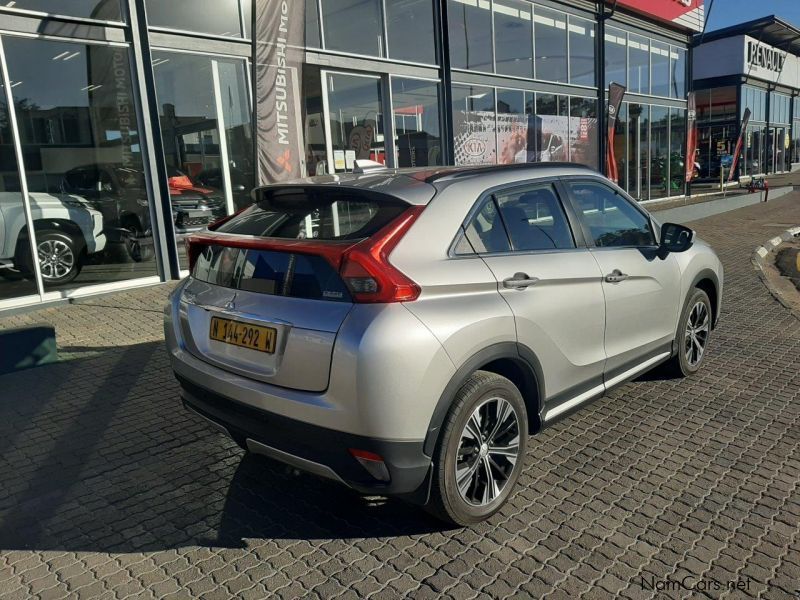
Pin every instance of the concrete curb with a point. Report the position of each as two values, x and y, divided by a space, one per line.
761 263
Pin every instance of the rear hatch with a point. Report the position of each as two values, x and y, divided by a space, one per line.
271 286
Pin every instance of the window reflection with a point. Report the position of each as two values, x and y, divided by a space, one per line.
550 31
102 10
470 33
678 72
638 64
513 34
659 65
353 26
16 267
208 142
616 56
220 17
581 51
659 152
77 124
416 122
409 27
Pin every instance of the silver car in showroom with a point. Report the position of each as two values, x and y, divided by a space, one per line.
404 331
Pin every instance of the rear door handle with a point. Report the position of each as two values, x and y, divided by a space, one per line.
520 281
616 276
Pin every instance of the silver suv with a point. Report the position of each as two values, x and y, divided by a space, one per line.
404 331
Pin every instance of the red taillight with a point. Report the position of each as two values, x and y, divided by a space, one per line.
366 269
364 266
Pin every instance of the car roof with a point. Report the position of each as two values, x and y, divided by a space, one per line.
419 185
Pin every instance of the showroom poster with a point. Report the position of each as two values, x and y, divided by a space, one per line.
278 57
691 136
474 137
513 144
742 129
615 94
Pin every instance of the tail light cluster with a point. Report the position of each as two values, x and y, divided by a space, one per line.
364 266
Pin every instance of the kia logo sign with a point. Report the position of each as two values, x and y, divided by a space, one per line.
475 147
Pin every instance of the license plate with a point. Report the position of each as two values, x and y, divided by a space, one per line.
244 335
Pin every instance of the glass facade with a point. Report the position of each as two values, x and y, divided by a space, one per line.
84 207
770 141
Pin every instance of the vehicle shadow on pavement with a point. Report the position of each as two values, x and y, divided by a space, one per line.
99 455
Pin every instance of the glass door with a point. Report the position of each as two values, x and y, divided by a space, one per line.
353 106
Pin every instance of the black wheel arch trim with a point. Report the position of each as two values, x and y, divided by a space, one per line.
717 302
518 353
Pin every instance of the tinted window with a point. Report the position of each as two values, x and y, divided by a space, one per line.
353 26
513 38
612 220
581 51
616 56
103 10
409 25
305 213
486 233
268 272
638 64
470 29
535 219
550 31
221 17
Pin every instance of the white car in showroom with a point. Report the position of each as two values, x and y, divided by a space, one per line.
67 230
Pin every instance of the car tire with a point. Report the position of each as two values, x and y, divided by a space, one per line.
694 332
464 465
59 254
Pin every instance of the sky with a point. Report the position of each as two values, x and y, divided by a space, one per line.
730 12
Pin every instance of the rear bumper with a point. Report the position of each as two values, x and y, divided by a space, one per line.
315 449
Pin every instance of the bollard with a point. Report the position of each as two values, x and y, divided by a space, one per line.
766 190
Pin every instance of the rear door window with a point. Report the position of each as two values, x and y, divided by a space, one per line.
535 219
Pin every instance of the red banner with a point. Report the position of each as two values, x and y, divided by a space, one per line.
745 121
615 94
691 136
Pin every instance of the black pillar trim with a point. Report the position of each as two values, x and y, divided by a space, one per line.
446 97
155 167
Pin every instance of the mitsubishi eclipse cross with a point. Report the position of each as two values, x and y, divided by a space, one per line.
403 332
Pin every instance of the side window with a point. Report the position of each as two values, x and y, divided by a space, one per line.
535 219
611 219
485 233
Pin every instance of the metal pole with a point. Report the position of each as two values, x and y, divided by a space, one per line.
23 182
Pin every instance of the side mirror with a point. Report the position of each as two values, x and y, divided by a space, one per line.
675 238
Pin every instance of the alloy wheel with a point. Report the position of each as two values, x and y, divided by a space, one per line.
487 451
56 259
697 328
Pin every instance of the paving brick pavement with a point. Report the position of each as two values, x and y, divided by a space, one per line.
108 489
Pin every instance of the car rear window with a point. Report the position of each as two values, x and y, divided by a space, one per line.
271 272
320 213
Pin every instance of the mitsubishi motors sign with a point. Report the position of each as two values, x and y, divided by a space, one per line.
688 14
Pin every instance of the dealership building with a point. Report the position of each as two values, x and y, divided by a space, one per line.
125 124
755 66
